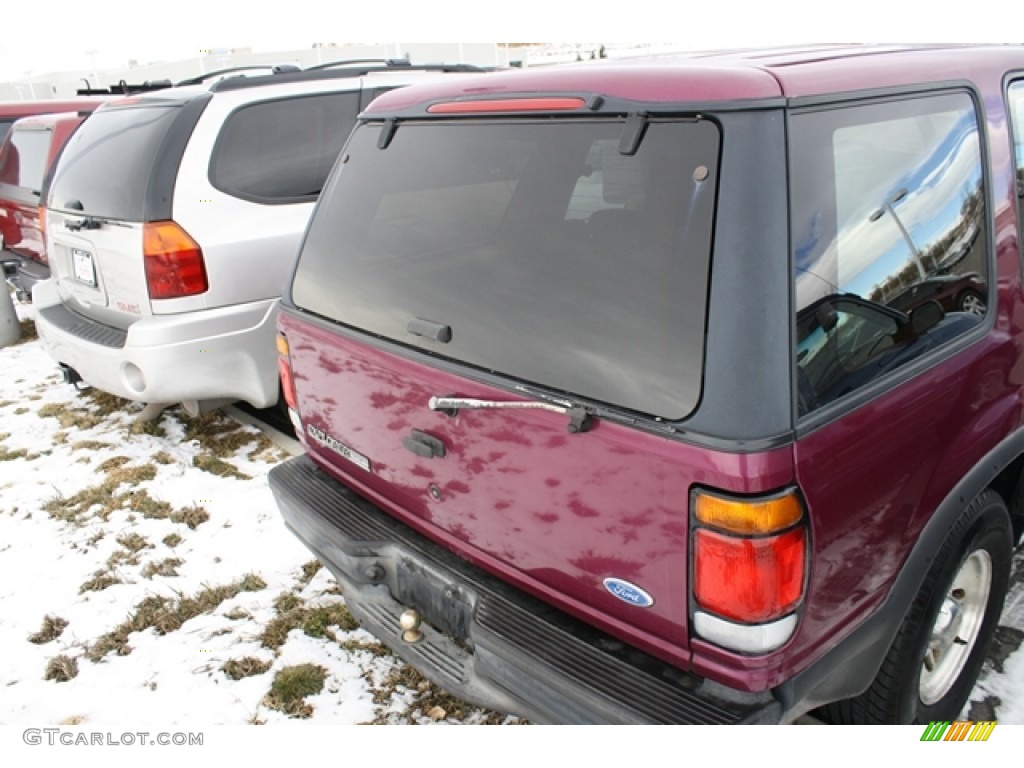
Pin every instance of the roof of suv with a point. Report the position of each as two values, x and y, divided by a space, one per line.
260 76
724 76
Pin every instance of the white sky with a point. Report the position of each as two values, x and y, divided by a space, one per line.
52 35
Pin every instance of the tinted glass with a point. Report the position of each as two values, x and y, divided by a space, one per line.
23 163
5 127
553 258
889 235
277 151
1016 94
107 163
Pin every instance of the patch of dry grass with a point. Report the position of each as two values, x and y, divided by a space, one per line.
219 467
152 509
99 581
168 567
102 499
61 669
315 622
247 666
309 570
133 542
163 615
429 700
291 686
9 455
52 628
90 445
28 332
193 516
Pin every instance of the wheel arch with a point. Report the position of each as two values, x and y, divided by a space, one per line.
849 668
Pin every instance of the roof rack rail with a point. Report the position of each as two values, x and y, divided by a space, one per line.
275 69
338 71
403 62
123 88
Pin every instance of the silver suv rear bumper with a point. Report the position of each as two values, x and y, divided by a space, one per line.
222 353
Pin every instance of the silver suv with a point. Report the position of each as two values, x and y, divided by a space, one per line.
172 223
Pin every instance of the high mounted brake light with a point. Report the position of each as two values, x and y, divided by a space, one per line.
482 106
749 568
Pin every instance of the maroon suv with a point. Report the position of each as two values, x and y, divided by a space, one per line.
611 406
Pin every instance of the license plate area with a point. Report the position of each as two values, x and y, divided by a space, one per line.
442 604
82 266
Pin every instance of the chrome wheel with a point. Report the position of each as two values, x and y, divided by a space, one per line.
956 627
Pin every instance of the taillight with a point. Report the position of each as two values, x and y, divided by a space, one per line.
749 568
284 367
174 261
42 232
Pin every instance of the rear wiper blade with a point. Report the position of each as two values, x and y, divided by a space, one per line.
580 419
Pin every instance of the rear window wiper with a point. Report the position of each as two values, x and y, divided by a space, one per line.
580 419
89 222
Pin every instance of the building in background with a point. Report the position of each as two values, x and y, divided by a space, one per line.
59 85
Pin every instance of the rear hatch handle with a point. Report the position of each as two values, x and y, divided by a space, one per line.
88 222
579 419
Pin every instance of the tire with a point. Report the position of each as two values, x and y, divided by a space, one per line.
971 302
928 673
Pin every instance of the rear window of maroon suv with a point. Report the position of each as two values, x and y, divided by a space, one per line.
571 255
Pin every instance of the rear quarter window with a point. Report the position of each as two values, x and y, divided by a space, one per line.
282 151
23 159
890 238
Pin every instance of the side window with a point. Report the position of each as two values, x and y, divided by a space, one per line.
889 236
281 151
23 163
1016 102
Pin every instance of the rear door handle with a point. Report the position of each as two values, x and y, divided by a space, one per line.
422 444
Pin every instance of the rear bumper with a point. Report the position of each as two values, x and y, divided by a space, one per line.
484 640
223 353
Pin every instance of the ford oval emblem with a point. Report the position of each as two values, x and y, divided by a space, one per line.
628 593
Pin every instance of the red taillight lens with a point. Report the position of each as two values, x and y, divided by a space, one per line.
174 262
284 368
749 579
42 232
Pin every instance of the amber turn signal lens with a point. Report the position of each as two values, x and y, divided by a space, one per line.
284 370
748 516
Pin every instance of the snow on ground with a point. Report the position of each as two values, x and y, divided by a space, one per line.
146 577
158 559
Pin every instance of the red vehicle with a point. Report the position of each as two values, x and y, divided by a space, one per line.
15 110
607 415
27 152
